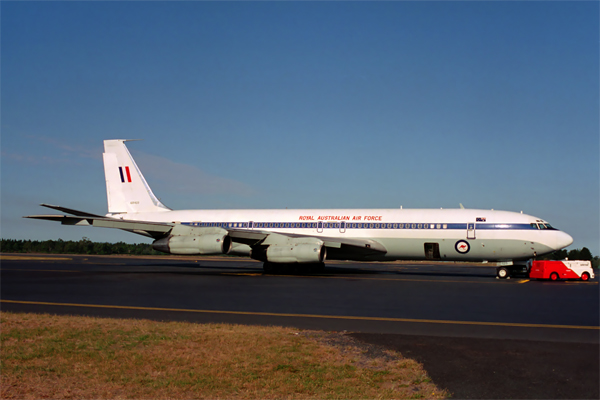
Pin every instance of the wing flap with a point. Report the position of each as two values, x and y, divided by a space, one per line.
251 238
71 211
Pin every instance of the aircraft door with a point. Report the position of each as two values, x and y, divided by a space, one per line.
471 230
432 251
343 227
320 227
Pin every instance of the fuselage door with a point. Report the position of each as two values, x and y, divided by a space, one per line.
320 227
432 251
471 230
343 227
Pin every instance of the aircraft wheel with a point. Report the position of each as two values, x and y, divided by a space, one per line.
585 276
554 276
503 273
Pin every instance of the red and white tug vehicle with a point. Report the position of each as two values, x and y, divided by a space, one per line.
556 270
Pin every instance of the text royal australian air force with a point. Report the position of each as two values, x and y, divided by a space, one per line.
340 218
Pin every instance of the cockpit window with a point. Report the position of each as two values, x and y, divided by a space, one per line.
542 226
534 225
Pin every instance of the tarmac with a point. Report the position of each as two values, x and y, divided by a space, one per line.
477 336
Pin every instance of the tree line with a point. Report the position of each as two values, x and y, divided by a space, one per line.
86 246
83 246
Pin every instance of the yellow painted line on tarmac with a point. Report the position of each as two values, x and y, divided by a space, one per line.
523 281
266 314
30 258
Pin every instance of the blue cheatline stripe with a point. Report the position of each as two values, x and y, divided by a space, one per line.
359 225
505 226
121 172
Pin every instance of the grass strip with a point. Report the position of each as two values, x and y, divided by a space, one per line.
60 357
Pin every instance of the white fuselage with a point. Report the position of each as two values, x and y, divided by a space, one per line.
444 234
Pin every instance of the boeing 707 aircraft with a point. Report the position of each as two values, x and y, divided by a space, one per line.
308 237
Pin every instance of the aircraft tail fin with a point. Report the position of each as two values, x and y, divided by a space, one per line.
126 189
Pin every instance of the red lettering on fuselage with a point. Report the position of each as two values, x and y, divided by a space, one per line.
334 218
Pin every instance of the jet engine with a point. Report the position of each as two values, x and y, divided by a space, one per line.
294 251
192 241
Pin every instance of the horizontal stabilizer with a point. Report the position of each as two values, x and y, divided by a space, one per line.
151 229
63 219
71 211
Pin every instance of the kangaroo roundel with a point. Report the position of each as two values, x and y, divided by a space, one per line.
462 247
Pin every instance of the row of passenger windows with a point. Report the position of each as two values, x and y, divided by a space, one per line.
365 225
321 225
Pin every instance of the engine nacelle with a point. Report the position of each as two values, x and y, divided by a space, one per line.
206 244
297 253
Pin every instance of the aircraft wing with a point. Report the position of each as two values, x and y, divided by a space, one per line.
337 248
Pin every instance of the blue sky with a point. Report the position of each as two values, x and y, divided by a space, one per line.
303 105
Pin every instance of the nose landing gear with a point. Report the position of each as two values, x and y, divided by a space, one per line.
502 273
508 271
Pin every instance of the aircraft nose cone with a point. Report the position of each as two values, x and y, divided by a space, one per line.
563 240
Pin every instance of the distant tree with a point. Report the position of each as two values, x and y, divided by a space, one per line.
83 246
574 254
558 255
585 254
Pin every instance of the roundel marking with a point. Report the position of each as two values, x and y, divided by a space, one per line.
462 247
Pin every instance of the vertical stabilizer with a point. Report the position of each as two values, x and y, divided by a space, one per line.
126 189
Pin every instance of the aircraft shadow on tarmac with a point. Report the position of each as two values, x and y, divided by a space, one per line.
194 269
